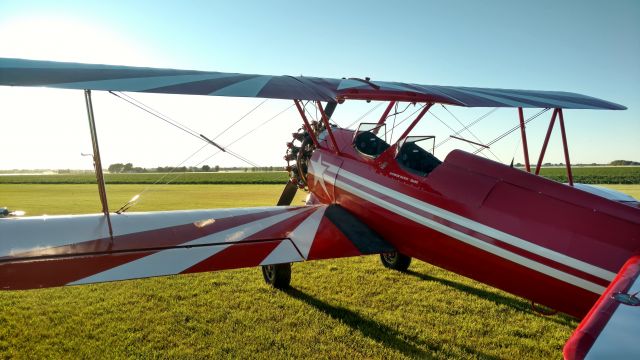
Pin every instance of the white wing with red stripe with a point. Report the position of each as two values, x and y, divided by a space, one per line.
68 250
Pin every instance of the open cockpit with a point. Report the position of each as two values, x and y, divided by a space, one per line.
413 158
369 139
410 154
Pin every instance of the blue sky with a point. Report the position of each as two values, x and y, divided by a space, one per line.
589 47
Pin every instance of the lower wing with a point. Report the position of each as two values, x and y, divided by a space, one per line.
51 251
611 330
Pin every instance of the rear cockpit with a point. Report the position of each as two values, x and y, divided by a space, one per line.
413 157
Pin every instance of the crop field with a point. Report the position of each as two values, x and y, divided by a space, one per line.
596 174
346 308
273 177
587 175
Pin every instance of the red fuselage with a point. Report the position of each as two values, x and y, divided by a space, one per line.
542 240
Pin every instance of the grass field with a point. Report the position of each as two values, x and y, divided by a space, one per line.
53 199
346 309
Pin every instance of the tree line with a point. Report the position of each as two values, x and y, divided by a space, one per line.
130 169
613 163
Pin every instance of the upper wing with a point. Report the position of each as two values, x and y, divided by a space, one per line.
20 72
611 329
67 250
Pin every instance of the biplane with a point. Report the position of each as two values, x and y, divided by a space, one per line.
569 247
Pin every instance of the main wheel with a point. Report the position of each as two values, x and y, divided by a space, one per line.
395 261
277 275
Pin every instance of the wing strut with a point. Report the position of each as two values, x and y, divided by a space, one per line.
325 120
97 163
523 134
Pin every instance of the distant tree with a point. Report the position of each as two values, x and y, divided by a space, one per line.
623 162
115 168
217 168
127 167
206 168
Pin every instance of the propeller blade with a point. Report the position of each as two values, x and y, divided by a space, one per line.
288 194
330 108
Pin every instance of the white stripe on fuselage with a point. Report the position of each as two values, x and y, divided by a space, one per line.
477 227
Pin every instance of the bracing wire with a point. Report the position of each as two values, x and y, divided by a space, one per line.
235 141
364 115
503 135
450 128
318 117
240 119
192 132
468 126
469 131
405 119
395 117
515 150
304 106
154 112
129 204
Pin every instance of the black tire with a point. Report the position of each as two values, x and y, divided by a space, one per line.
277 275
395 261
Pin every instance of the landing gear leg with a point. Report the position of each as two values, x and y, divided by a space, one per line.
277 275
395 261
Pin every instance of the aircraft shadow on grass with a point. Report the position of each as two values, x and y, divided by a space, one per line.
518 304
387 336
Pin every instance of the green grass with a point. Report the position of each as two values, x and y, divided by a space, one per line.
38 199
633 190
345 308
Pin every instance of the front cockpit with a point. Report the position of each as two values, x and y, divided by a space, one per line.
369 144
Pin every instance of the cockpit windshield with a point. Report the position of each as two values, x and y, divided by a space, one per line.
370 139
413 157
